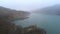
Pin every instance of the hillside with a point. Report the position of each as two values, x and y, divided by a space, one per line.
13 14
54 10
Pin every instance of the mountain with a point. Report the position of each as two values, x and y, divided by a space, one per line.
52 10
13 14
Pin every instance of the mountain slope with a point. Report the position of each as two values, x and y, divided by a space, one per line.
13 14
54 10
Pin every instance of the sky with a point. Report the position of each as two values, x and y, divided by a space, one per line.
28 5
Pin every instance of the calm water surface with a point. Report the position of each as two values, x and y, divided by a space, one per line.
51 23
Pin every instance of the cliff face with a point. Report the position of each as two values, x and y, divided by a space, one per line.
13 14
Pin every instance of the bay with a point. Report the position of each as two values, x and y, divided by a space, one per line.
51 23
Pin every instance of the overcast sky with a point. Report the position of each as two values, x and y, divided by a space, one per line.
27 4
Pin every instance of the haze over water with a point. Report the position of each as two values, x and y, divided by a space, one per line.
51 23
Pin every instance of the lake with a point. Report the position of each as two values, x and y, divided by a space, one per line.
51 23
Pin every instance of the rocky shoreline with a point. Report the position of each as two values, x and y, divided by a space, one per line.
7 27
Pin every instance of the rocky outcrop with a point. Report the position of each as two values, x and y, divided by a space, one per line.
7 27
33 30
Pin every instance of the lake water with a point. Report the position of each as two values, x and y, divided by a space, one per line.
51 23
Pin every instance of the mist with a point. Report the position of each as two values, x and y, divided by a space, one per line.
27 5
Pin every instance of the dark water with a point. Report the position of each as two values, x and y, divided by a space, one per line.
51 23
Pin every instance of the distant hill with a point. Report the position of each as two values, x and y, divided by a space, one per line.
13 14
54 10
